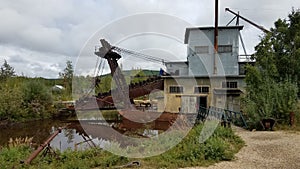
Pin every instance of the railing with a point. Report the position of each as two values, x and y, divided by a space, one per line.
245 58
221 114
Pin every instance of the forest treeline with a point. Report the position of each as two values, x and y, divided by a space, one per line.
26 98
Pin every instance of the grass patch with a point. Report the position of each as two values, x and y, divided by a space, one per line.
221 146
189 152
287 127
10 157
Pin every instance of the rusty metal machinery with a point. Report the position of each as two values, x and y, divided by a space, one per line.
43 146
112 57
123 93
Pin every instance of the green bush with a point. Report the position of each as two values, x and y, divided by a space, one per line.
221 146
11 100
80 160
24 99
37 99
266 98
11 157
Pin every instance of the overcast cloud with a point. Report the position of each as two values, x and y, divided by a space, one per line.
37 37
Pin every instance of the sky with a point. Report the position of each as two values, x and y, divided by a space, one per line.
38 37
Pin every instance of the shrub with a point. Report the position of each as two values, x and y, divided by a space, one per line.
11 99
11 157
37 99
268 98
190 152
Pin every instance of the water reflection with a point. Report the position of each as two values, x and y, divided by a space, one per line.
39 130
72 136
70 139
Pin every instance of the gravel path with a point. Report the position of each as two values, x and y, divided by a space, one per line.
265 149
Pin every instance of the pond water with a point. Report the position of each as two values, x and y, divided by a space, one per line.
41 130
72 136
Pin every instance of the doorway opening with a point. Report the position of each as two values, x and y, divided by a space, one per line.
202 102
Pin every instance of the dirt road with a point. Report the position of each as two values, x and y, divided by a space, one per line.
265 149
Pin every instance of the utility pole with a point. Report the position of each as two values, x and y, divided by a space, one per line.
216 36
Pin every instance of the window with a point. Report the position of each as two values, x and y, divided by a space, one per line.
201 49
201 89
205 90
224 48
229 85
176 89
197 90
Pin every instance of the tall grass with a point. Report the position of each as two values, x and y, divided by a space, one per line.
189 152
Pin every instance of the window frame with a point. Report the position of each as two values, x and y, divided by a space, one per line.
225 49
230 84
201 49
179 89
197 91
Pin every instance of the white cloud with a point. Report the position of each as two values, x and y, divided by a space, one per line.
47 33
33 63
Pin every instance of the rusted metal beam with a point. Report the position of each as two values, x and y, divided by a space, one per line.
112 58
41 147
138 90
216 36
135 90
247 20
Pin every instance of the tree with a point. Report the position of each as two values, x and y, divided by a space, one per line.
267 98
6 71
67 75
104 85
37 99
137 75
279 51
68 71
272 83
11 100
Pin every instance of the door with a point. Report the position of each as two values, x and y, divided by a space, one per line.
202 102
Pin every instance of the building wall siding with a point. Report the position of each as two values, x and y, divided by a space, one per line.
202 64
172 102
179 67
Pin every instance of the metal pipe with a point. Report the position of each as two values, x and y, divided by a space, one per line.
41 147
216 36
247 20
243 44
87 140
231 21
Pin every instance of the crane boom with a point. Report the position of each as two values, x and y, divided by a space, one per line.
247 20
106 51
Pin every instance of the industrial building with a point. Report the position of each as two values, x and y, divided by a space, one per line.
206 78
